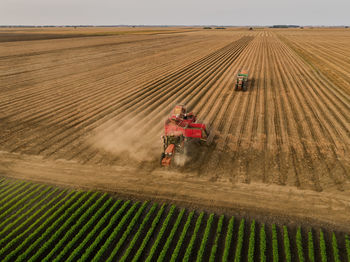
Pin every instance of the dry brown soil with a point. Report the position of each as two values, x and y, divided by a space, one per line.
88 112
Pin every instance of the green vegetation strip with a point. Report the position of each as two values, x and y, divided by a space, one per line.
13 188
18 230
182 238
193 238
9 200
323 247
228 240
24 229
288 256
24 214
299 241
127 232
77 251
262 244
24 202
48 230
310 246
205 238
162 255
40 229
160 234
335 248
251 242
5 187
138 233
239 241
149 234
216 241
68 229
89 251
62 224
87 224
41 223
347 246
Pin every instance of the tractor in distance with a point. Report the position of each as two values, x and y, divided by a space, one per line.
242 81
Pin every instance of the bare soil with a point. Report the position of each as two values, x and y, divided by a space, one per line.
89 112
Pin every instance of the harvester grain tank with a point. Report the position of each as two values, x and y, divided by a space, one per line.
179 129
242 81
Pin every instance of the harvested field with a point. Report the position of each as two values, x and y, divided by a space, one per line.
329 55
32 34
100 103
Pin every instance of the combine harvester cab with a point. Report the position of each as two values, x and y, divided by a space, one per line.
179 129
242 81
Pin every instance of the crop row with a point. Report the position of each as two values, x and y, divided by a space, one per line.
50 224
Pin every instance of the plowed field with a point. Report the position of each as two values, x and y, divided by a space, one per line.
96 106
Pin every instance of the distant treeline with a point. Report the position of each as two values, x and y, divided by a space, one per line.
285 26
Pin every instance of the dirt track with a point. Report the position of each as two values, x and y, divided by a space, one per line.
267 203
101 102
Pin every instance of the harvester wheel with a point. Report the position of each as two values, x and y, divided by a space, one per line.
161 158
244 88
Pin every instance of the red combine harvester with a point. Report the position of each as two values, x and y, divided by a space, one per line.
179 128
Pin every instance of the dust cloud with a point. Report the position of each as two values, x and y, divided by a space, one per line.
128 140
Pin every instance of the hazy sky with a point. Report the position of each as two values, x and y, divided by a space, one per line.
175 12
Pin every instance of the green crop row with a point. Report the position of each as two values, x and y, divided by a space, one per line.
160 234
10 201
78 251
5 188
182 237
193 238
274 244
162 255
10 187
89 251
54 230
38 226
22 201
118 228
78 236
228 240
205 238
21 230
347 245
262 244
286 244
47 224
299 242
239 241
335 248
70 231
13 188
323 247
251 242
310 247
127 232
149 234
6 227
138 233
216 240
